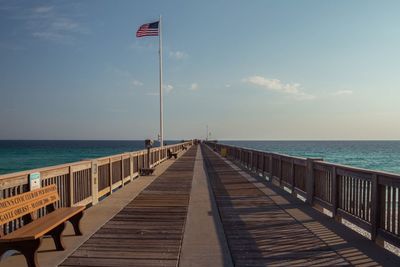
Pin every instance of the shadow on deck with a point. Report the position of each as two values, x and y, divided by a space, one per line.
265 226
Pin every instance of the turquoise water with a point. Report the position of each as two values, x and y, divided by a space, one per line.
375 155
25 155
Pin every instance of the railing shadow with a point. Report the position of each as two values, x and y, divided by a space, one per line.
349 245
267 226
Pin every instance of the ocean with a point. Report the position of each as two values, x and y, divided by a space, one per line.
25 155
375 155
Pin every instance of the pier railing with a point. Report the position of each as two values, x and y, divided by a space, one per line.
87 181
367 199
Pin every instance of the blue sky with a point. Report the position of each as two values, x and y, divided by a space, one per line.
249 69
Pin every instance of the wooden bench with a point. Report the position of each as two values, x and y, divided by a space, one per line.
171 154
27 238
146 171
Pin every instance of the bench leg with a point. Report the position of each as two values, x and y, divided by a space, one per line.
56 235
76 223
27 248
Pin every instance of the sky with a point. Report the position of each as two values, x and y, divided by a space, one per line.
264 70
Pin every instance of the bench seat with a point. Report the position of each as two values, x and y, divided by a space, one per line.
43 225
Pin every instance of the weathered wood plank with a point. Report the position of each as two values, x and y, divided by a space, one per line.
149 230
259 232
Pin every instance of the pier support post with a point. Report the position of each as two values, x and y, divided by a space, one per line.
95 187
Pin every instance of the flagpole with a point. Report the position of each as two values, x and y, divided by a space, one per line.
161 87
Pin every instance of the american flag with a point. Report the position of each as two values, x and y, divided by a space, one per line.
149 29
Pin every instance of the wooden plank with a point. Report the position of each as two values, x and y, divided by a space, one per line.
149 230
258 231
354 220
352 172
82 166
53 173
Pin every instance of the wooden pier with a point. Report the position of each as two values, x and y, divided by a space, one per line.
149 230
255 222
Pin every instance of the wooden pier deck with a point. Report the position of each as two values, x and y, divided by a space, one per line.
266 226
206 211
149 230
259 232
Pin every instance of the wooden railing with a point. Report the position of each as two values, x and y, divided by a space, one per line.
85 182
367 199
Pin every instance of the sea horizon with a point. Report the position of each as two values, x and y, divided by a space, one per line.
21 155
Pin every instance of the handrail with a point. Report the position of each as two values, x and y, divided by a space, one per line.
85 182
366 198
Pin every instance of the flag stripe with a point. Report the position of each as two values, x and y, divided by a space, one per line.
148 29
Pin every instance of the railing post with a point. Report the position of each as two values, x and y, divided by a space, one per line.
310 181
111 174
255 161
263 165
95 180
131 166
122 170
280 171
291 177
335 192
251 160
71 187
149 157
270 167
375 206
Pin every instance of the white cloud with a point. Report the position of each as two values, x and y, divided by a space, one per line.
51 23
279 86
137 83
168 88
342 92
53 36
178 55
228 85
194 86
42 9
65 25
120 72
